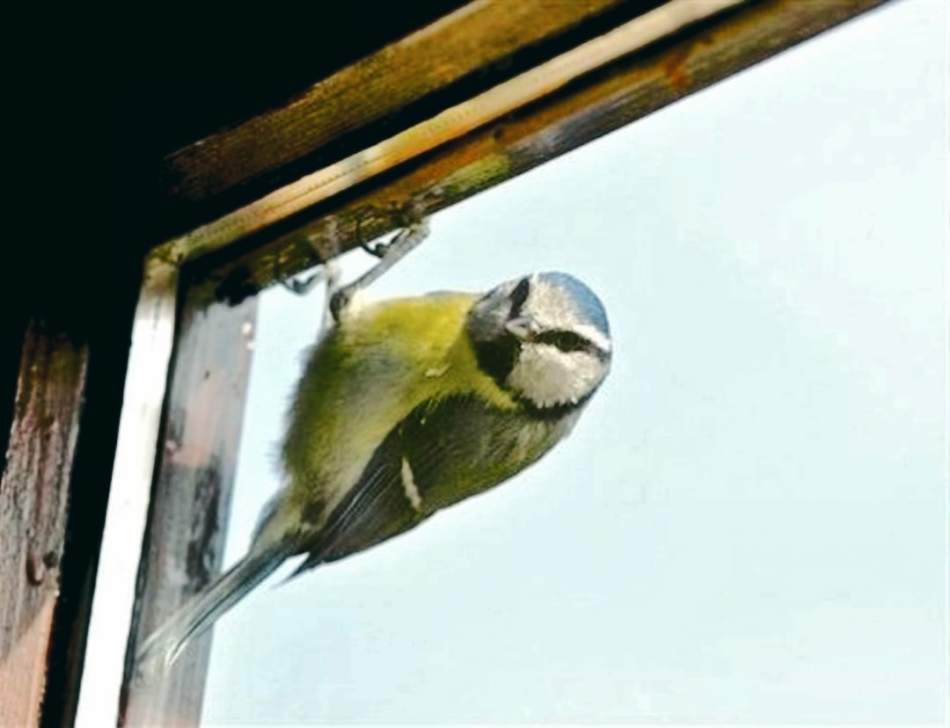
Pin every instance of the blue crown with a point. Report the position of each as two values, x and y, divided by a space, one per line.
588 305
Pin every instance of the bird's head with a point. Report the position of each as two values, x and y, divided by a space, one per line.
544 338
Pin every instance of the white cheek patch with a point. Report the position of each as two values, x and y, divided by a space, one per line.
548 376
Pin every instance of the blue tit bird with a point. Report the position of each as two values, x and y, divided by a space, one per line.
409 406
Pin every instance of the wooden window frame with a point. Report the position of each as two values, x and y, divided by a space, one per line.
194 322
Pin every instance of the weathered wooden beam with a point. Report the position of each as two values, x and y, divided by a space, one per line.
476 36
629 89
446 126
33 501
190 501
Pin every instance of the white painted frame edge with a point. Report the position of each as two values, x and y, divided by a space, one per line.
153 336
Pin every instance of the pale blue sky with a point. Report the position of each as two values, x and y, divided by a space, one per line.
748 524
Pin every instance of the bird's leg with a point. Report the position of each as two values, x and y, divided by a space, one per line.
331 274
389 254
339 296
326 271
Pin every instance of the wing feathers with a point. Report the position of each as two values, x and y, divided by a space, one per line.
453 448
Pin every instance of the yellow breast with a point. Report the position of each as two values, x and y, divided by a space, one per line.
368 373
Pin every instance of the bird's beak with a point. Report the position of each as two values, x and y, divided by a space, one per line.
524 327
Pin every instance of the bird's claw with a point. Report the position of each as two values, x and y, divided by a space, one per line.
303 284
414 226
377 249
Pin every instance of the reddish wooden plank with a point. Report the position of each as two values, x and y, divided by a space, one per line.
33 499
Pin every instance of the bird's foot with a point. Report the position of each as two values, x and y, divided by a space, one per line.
389 253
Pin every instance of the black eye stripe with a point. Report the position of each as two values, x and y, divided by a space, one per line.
565 340
568 341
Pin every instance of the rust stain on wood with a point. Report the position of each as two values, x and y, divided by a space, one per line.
676 69
33 500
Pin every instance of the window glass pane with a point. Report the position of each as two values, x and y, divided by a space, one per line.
748 522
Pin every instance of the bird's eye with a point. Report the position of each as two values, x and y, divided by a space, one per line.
563 340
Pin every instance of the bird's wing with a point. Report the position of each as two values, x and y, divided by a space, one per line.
442 452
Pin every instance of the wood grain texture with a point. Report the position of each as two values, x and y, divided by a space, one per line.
33 501
480 34
448 125
614 96
189 508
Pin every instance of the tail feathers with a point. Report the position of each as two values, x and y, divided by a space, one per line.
165 644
